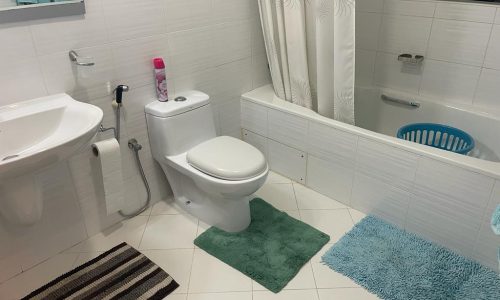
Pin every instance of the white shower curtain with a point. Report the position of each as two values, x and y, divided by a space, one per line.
310 49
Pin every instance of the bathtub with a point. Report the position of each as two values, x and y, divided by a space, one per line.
445 197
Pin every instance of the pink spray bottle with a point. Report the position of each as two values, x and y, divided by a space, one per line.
160 79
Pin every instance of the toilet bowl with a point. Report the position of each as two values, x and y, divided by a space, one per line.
213 178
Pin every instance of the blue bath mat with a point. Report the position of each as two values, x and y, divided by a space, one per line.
395 264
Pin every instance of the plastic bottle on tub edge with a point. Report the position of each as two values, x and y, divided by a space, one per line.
160 79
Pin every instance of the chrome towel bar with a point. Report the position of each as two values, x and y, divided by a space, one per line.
400 101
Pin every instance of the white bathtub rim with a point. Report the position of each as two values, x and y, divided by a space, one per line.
483 111
265 96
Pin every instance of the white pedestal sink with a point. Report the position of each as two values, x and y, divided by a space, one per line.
34 135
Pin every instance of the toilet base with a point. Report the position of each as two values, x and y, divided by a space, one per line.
230 215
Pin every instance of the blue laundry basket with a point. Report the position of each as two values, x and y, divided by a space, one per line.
438 136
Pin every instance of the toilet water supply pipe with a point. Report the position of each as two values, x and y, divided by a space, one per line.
132 145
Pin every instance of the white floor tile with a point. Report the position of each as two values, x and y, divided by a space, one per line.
147 212
221 296
129 231
303 280
36 277
356 215
169 232
166 207
85 257
176 297
309 199
211 275
165 234
286 295
346 294
317 257
280 196
177 263
273 177
328 278
335 223
202 227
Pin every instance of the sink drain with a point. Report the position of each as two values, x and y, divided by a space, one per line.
10 157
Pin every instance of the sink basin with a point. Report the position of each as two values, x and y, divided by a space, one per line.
34 135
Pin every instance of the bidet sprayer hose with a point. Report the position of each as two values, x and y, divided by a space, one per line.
136 147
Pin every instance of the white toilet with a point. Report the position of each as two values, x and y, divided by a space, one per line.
213 178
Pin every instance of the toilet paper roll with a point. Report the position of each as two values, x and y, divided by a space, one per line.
108 154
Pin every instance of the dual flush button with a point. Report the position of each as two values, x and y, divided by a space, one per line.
180 99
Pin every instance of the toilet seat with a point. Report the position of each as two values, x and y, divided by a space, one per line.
227 158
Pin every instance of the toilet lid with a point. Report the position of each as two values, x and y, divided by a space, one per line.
227 158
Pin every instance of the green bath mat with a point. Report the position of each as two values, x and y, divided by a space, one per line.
271 250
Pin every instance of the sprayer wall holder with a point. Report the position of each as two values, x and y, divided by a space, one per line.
410 59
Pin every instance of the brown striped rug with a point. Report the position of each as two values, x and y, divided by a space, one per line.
120 273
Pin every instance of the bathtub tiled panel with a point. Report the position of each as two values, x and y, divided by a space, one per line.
459 41
439 201
451 199
393 166
257 141
487 243
287 129
375 197
331 144
330 178
288 161
254 117
207 44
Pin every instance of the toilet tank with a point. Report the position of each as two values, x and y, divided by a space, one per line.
179 124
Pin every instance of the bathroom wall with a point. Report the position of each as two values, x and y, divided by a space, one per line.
460 42
211 45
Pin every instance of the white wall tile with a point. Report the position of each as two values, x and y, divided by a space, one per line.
254 117
64 34
365 65
375 197
234 10
330 178
133 59
230 118
369 6
187 14
488 89
128 19
404 34
367 30
497 17
492 59
450 81
459 41
20 43
465 12
389 164
288 129
287 161
16 75
409 8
